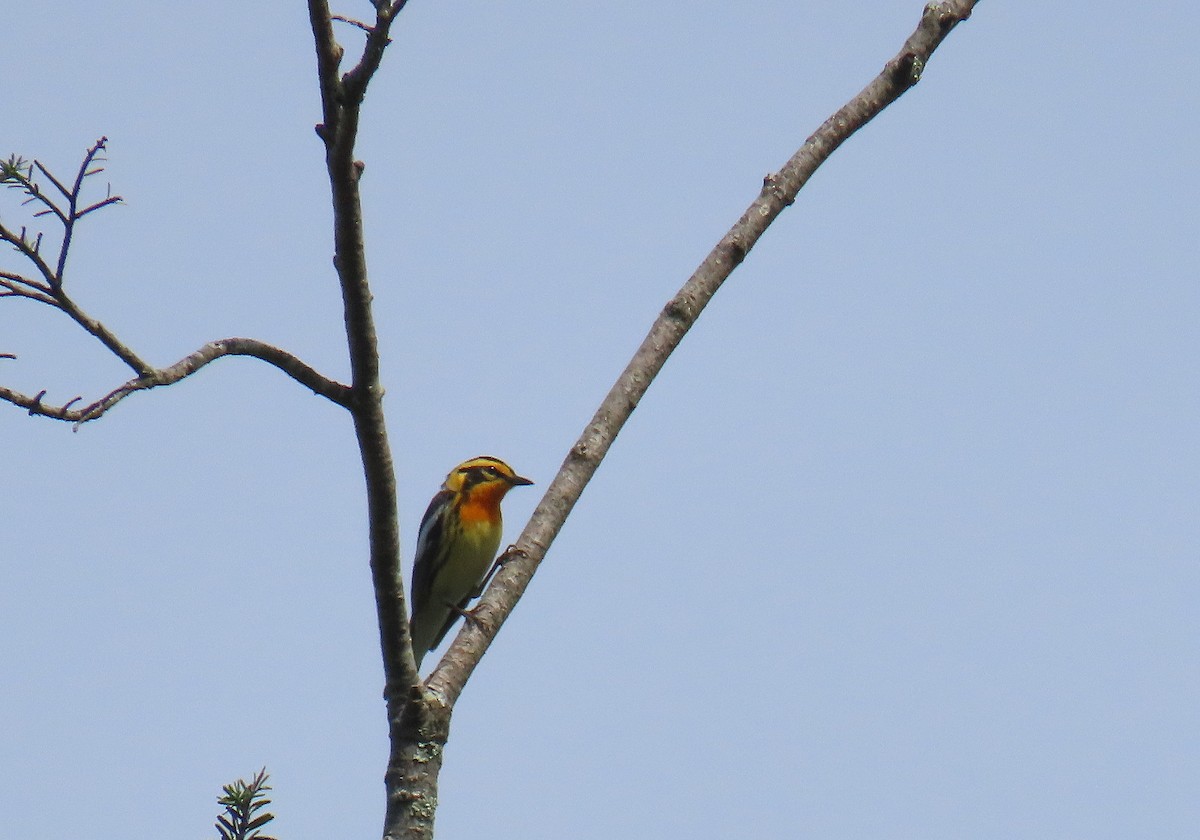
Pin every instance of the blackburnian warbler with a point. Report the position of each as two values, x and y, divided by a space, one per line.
459 536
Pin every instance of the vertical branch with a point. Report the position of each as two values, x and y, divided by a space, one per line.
339 133
417 725
72 197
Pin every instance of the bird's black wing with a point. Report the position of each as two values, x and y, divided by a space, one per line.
431 545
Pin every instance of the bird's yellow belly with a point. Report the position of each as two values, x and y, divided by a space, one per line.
473 553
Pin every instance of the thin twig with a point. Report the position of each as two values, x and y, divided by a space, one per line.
23 280
364 27
30 251
112 199
31 188
92 154
21 286
50 177
14 289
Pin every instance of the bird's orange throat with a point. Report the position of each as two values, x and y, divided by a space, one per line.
482 504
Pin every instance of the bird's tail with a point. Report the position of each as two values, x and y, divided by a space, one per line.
423 630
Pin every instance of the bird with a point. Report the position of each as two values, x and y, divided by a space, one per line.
457 542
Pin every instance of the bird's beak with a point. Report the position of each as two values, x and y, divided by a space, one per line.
517 481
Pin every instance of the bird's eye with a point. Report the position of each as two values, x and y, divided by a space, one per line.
491 472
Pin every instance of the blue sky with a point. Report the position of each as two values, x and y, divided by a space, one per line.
903 542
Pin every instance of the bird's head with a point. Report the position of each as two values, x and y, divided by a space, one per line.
484 475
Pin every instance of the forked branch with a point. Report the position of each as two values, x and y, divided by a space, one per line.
47 287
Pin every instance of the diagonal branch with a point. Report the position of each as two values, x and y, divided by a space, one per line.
16 285
25 182
102 333
41 167
53 294
30 250
778 191
104 202
185 367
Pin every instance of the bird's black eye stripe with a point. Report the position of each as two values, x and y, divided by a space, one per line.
479 472
474 475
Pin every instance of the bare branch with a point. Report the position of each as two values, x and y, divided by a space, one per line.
73 203
355 82
92 155
25 183
15 285
52 179
185 367
329 58
112 199
41 167
779 190
9 289
414 731
351 21
341 100
24 281
29 250
53 294
106 336
18 175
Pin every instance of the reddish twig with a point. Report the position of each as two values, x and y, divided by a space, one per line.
351 21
